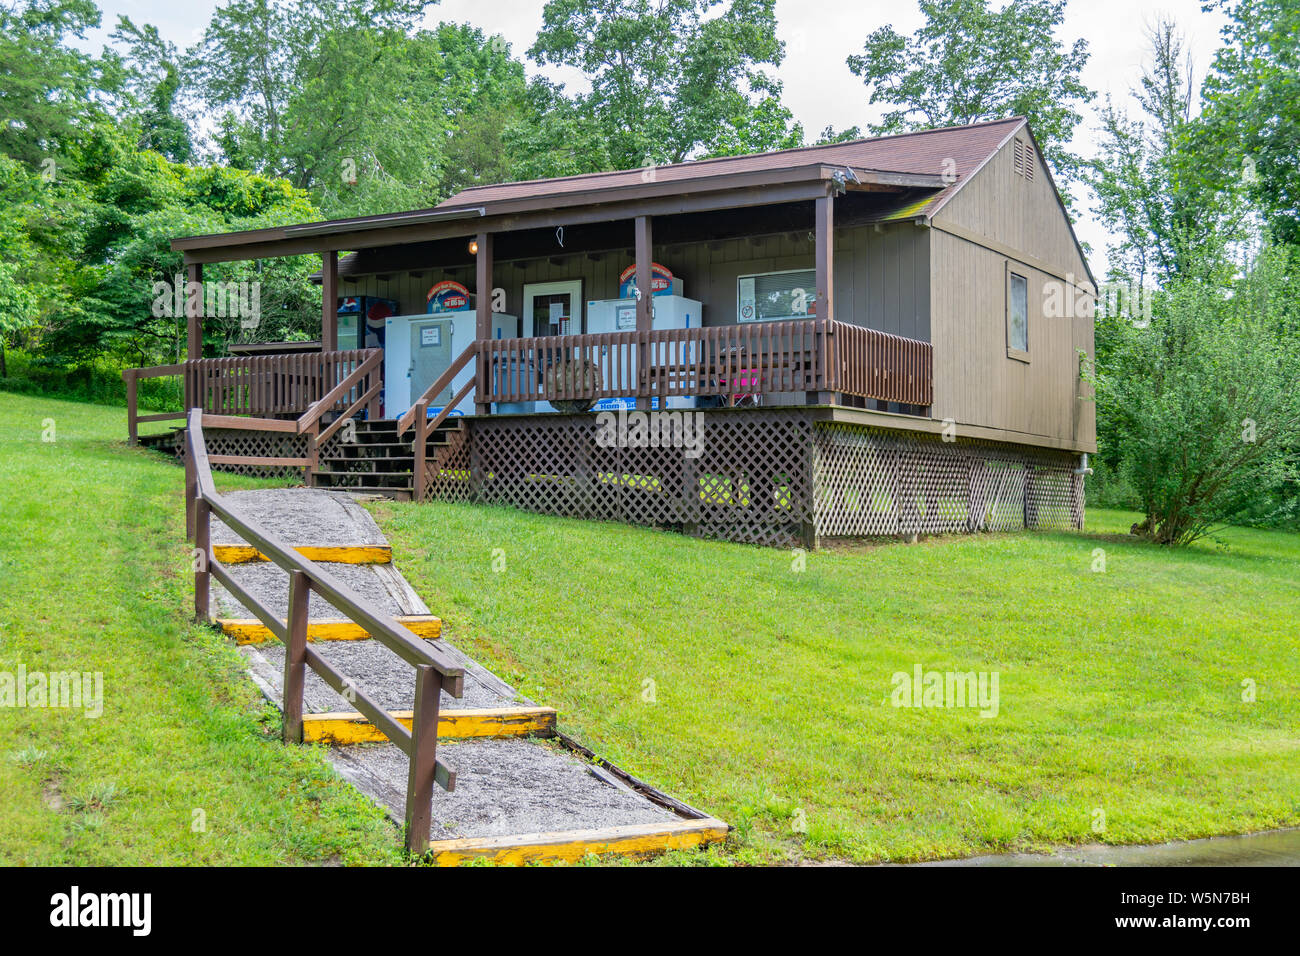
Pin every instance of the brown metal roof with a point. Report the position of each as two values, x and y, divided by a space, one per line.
889 163
922 153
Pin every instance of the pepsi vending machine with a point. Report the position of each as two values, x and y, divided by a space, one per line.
361 321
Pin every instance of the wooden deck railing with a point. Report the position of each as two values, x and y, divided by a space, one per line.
265 386
270 386
868 363
132 378
434 670
256 394
804 356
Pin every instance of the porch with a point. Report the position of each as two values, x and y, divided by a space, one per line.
764 474
761 298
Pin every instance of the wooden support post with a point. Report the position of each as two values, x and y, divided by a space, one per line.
825 275
420 450
424 757
191 492
644 308
194 310
313 454
132 428
202 544
295 656
482 317
329 303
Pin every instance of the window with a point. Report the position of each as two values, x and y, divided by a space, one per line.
1018 314
777 295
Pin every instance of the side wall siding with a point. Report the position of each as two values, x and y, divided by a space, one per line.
976 382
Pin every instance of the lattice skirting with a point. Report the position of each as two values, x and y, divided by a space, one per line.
750 482
763 476
230 441
877 482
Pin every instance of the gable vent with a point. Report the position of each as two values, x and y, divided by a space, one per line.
1023 159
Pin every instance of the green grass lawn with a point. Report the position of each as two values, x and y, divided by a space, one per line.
1120 691
184 766
1121 714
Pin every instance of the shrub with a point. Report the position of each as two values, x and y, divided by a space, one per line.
1205 403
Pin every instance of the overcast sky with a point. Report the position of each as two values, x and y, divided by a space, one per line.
819 35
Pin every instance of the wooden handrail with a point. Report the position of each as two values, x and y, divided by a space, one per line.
335 394
435 670
132 376
424 427
264 387
443 381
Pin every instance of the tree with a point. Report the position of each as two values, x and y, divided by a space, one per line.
153 82
17 308
1206 412
1252 109
1150 181
118 221
48 89
673 79
970 62
318 92
555 137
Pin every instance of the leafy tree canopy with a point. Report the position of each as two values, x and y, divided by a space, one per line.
49 91
1252 109
1206 411
971 62
1152 193
673 79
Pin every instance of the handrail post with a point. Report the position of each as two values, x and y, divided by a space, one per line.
424 758
295 656
132 429
191 489
313 454
420 450
202 544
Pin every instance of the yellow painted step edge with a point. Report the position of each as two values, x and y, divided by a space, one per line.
644 839
253 631
334 554
352 728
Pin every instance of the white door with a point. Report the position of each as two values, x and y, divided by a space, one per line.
430 357
553 308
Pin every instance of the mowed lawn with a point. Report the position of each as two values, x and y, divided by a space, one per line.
762 693
721 673
184 766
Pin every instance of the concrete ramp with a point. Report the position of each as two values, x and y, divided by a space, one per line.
524 793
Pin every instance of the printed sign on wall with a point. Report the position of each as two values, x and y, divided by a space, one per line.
661 281
447 296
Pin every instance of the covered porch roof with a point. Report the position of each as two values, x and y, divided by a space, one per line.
911 174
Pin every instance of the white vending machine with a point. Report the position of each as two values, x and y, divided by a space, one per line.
419 348
671 311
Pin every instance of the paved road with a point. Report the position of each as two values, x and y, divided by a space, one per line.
1273 848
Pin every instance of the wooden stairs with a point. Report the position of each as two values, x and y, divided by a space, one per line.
376 461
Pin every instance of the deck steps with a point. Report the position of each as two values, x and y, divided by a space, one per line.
376 461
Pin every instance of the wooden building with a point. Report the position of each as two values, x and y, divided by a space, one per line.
876 337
